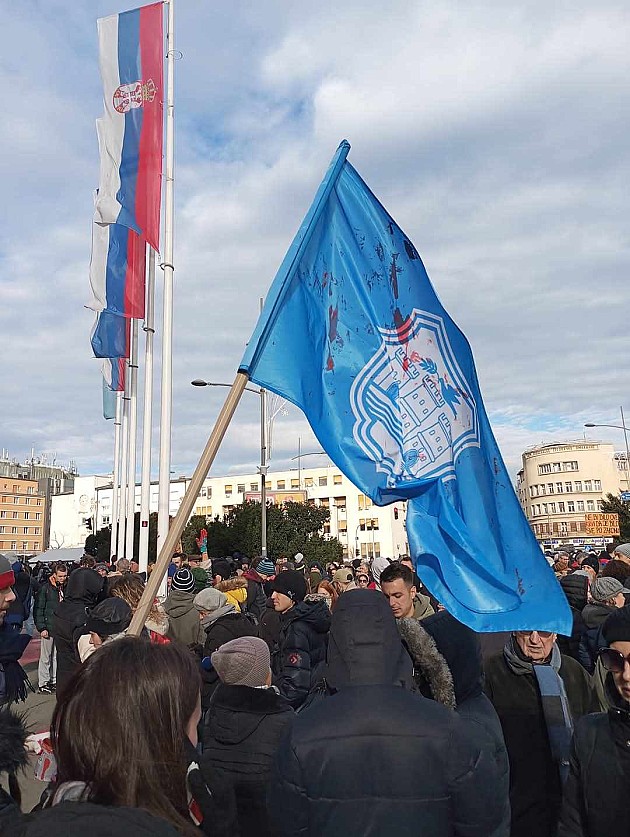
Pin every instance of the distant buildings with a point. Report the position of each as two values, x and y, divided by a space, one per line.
562 482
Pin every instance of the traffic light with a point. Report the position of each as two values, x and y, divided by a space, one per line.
395 514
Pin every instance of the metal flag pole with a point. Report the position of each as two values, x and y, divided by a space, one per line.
116 475
186 506
147 418
166 393
133 435
124 445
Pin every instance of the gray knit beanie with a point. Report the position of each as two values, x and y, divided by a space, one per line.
623 549
605 588
209 600
243 662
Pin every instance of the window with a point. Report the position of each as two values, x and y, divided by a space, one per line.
558 488
281 485
588 485
544 469
555 467
16 489
542 490
38 502
561 508
580 505
204 492
38 515
240 488
36 545
597 485
590 505
16 499
545 508
578 485
27 515
15 515
552 508
364 502
308 482
549 488
568 487
569 466
323 480
268 485
253 486
228 490
337 479
13 544
30 490
27 501
14 530
3 514
295 484
571 506
600 505
26 530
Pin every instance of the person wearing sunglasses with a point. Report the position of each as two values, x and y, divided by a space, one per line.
538 694
596 793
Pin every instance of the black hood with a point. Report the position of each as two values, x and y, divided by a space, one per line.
316 614
84 585
460 647
238 711
575 588
364 647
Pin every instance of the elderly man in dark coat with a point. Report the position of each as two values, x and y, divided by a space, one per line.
374 757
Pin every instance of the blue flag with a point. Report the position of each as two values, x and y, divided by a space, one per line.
353 333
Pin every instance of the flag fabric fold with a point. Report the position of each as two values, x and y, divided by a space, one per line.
111 335
109 402
117 270
354 334
130 133
114 373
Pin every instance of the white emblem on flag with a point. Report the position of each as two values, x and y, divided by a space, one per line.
134 95
414 411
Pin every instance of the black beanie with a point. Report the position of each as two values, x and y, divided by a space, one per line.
617 627
111 616
591 561
292 583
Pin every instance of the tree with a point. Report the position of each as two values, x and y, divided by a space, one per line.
190 534
98 544
615 505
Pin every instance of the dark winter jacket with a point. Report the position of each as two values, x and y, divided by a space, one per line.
270 625
216 633
76 819
50 595
13 758
183 618
21 607
82 593
535 792
375 758
596 795
301 650
256 602
240 738
594 616
575 589
462 651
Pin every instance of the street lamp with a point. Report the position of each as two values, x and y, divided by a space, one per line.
299 459
263 467
625 429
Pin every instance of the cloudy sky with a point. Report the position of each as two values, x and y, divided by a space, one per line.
496 133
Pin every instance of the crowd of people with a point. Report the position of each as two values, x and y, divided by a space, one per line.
288 699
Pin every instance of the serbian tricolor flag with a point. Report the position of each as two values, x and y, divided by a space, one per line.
111 336
131 49
117 270
114 373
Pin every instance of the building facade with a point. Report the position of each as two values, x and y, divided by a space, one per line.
560 483
23 515
362 528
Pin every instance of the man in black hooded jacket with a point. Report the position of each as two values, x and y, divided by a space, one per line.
375 758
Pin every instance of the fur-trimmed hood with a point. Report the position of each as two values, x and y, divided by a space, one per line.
232 584
13 735
428 663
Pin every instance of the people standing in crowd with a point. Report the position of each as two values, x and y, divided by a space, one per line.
241 732
343 580
299 564
378 565
328 594
538 694
235 590
363 581
607 553
616 569
202 579
561 564
144 778
176 564
220 620
19 613
576 590
301 647
12 643
221 570
374 757
595 800
261 571
130 588
406 603
183 617
83 591
622 553
607 595
50 594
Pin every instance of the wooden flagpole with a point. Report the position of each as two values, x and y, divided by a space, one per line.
188 501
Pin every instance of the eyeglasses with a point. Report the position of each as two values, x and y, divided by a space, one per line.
613 660
541 634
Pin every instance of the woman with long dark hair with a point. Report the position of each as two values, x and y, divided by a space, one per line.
123 734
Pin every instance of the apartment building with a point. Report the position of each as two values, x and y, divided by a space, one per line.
22 515
562 482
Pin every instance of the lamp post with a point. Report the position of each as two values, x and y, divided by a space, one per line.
263 467
623 427
301 455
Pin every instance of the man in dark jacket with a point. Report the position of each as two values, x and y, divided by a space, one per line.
520 683
595 802
83 591
256 602
50 594
304 627
241 731
374 757
607 595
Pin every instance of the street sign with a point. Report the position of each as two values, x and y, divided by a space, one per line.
625 496
602 524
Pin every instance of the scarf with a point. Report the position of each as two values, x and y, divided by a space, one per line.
210 618
555 704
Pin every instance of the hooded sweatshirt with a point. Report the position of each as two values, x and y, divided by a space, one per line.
83 591
183 618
